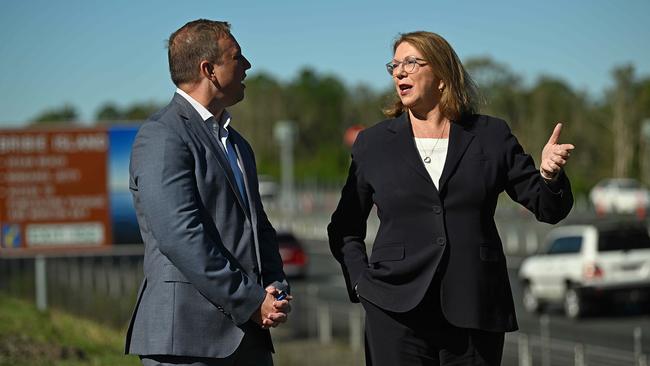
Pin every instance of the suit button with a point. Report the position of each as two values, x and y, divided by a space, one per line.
441 241
437 209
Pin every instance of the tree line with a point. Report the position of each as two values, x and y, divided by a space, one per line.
608 132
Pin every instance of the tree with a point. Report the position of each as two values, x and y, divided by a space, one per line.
500 91
623 119
604 131
109 112
67 113
549 101
138 111
643 112
316 103
256 116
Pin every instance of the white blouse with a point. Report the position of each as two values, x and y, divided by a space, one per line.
435 151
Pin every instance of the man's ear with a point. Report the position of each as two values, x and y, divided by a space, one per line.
207 70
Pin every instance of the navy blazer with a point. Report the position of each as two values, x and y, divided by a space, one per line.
450 230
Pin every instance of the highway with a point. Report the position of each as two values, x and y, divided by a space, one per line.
613 330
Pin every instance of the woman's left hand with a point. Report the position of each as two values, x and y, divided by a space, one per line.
554 155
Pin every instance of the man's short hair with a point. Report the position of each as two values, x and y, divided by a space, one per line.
192 43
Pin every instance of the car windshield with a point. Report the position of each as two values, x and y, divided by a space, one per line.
569 244
629 184
624 239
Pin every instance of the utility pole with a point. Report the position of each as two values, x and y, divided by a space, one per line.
285 134
645 151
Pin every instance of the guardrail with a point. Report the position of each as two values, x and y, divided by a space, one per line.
103 287
328 321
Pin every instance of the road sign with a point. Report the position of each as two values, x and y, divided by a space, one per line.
54 189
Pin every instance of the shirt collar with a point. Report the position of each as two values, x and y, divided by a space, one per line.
204 112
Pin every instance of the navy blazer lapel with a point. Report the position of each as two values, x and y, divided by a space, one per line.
405 145
459 140
201 129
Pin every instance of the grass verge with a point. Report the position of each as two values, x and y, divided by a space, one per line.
29 337
55 338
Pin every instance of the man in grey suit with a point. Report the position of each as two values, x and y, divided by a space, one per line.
211 253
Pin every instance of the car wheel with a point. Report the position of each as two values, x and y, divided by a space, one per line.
573 304
530 301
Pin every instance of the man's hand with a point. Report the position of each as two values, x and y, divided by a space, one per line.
272 312
281 306
554 155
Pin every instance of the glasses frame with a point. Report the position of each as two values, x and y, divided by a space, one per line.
408 62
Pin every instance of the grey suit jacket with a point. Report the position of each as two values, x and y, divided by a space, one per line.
203 245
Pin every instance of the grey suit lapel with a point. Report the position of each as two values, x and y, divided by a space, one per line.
204 133
249 171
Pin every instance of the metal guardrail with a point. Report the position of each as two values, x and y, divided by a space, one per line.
551 352
103 285
345 321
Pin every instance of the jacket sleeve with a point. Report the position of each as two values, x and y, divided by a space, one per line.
347 229
549 202
162 171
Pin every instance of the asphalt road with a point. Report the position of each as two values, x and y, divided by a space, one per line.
614 330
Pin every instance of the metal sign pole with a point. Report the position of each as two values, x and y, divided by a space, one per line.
41 282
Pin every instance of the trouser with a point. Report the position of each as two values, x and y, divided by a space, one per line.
422 336
251 352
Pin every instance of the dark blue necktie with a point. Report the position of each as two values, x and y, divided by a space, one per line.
219 132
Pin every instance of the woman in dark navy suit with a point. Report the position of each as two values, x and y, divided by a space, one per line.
435 287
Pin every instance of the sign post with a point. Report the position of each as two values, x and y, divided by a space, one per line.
53 194
285 134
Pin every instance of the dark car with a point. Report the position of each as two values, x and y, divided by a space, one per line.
293 255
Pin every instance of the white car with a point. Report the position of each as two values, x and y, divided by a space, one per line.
588 267
620 195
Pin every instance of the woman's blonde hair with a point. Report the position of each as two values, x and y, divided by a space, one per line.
459 97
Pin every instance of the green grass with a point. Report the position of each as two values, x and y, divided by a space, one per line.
54 338
29 337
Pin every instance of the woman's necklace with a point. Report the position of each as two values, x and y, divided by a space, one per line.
427 157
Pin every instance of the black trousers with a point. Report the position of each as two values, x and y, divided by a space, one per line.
423 336
251 352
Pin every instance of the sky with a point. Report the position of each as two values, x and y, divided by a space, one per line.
86 52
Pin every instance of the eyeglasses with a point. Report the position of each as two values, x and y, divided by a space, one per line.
410 64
